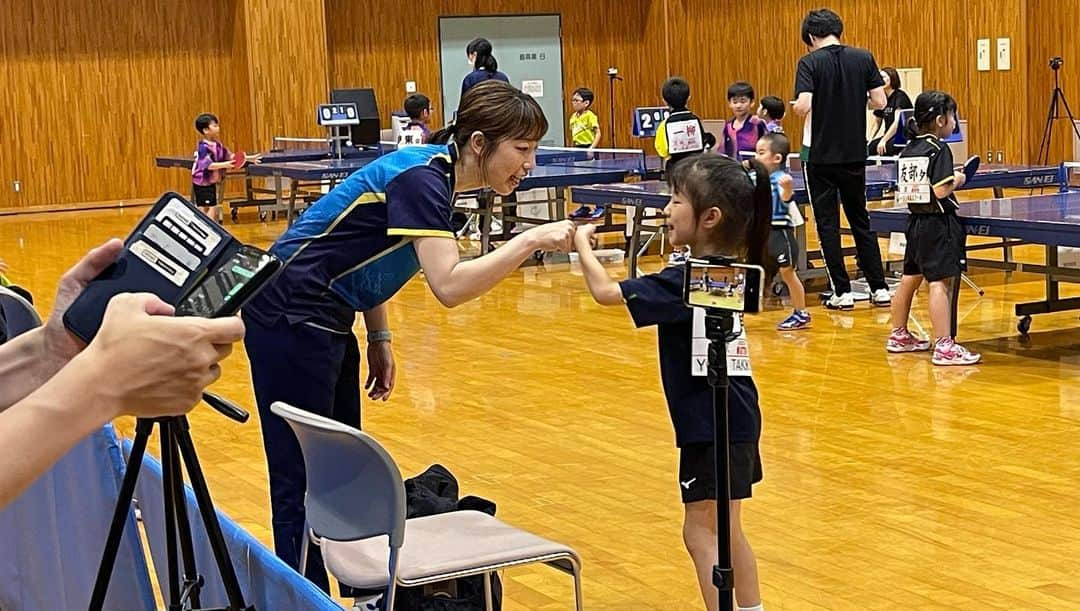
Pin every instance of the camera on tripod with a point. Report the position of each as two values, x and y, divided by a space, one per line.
1056 62
719 283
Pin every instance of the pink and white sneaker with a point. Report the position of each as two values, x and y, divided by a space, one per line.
901 340
948 352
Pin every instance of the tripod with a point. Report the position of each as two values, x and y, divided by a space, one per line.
719 329
1053 113
176 444
613 75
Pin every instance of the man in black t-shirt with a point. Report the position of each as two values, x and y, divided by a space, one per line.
831 87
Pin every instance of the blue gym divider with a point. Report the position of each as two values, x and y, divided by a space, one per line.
51 537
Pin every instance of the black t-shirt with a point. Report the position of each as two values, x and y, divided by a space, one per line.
925 163
898 100
839 77
657 299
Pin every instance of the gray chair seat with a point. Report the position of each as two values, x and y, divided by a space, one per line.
443 546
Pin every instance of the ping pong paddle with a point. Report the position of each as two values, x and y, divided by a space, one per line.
239 159
970 167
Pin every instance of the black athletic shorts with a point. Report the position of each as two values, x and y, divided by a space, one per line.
782 246
697 481
205 195
935 247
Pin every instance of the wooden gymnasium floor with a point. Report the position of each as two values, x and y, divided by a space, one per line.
888 483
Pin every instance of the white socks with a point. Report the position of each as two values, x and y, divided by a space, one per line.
757 607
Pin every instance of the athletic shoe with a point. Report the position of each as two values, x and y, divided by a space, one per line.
840 302
677 257
583 212
948 352
597 213
799 319
902 340
881 298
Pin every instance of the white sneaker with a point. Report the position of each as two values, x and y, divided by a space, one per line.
840 302
881 298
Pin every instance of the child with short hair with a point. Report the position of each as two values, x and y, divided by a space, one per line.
772 152
716 207
772 111
212 159
584 133
418 107
742 131
935 238
681 134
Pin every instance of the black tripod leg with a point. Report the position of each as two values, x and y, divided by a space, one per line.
120 513
168 473
206 510
1048 129
1068 113
192 581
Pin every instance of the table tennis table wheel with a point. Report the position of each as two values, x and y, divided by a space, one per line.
1024 325
538 256
234 214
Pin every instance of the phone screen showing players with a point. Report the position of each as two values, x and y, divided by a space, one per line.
215 295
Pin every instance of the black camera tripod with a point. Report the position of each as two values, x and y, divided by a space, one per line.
720 329
176 444
1053 113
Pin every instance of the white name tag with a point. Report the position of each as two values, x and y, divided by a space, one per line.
410 137
685 137
738 349
913 181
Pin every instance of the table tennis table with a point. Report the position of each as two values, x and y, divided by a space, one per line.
1051 220
312 150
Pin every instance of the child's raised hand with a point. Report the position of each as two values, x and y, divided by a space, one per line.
959 178
784 182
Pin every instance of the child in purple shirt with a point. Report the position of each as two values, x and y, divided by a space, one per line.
212 158
742 131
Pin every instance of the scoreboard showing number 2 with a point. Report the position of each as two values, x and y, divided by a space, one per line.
646 120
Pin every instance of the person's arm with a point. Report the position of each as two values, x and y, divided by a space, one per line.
38 430
143 362
382 372
660 140
454 282
786 190
27 361
878 99
804 87
596 133
875 84
604 289
946 187
803 103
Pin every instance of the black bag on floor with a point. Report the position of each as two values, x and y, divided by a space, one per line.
433 492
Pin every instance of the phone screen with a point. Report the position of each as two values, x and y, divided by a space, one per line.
219 292
724 287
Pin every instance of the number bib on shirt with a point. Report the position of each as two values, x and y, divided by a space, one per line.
410 137
913 181
738 349
685 136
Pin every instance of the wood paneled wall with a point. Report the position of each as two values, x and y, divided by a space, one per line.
91 91
595 35
286 67
1052 33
